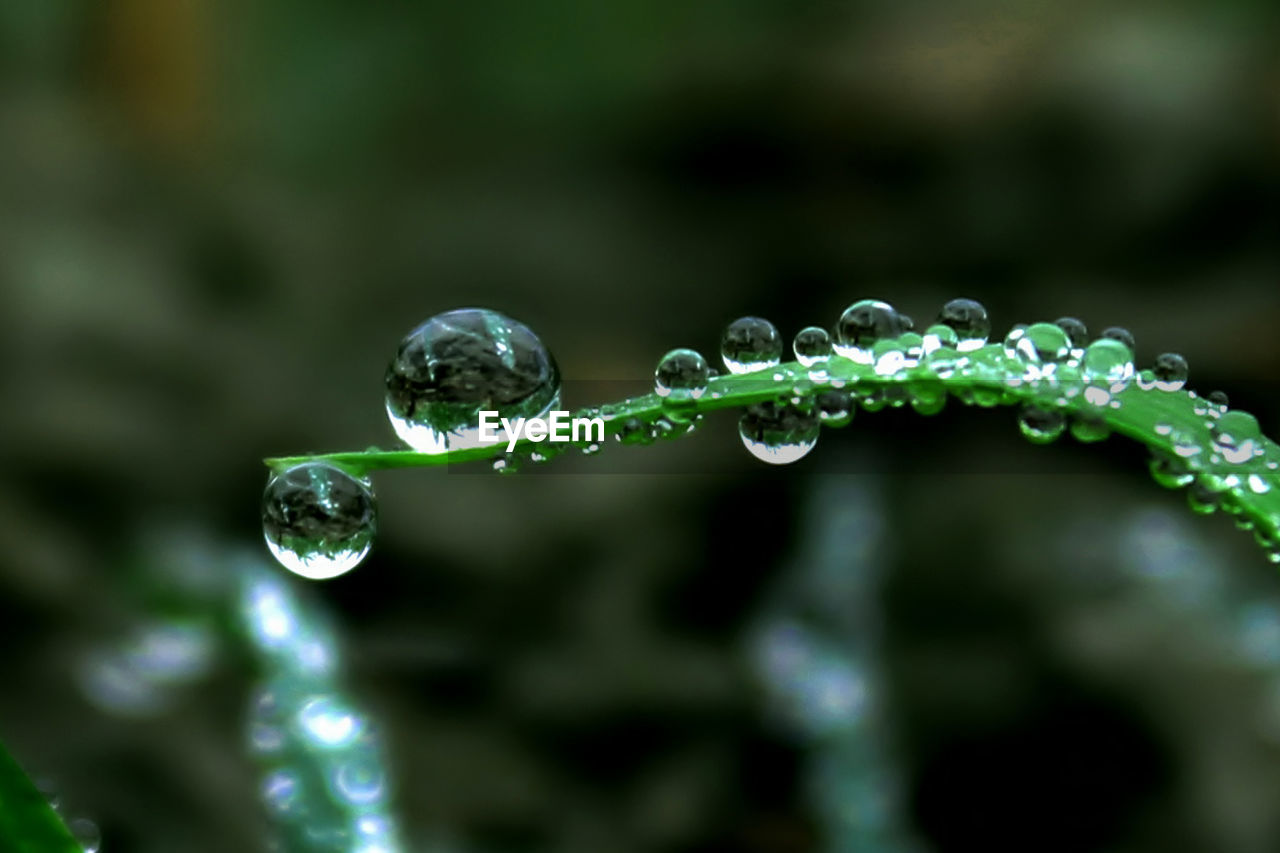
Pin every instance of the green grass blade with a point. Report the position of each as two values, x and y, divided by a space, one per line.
28 824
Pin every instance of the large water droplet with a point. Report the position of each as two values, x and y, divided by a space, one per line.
460 363
1236 436
863 324
749 344
778 433
968 318
318 520
681 376
1170 372
1041 425
812 346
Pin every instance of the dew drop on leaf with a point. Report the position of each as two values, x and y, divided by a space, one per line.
862 325
681 376
460 363
968 319
749 344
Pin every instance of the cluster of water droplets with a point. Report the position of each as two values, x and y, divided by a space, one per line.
319 519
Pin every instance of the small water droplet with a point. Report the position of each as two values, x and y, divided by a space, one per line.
1040 425
328 724
749 344
1236 436
968 319
938 336
681 376
1077 332
1121 334
1109 362
318 520
1170 472
1039 347
634 431
459 363
812 346
889 358
1218 398
1202 499
282 792
86 834
360 780
1170 372
1088 428
863 324
835 407
778 433
1258 485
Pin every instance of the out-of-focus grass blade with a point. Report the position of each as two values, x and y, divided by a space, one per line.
28 824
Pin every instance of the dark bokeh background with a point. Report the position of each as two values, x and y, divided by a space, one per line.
217 219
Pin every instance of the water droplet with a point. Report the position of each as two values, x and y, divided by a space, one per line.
943 360
282 792
1088 428
938 336
863 324
778 433
835 407
681 376
906 322
1107 361
507 463
812 346
1077 332
360 780
1041 425
1170 372
266 735
1202 499
889 358
1236 436
1170 472
968 319
1258 485
634 431
460 363
1039 347
1121 334
318 520
1218 398
749 344
86 834
328 724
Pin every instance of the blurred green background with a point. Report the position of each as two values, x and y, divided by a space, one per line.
218 219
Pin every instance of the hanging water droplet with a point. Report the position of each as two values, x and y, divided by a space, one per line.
1041 425
1108 362
86 834
812 346
1121 334
460 363
318 520
1170 472
1039 347
863 324
778 433
1236 436
968 319
835 407
749 344
1202 499
1077 332
1088 428
681 376
1170 372
634 431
